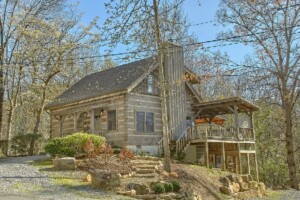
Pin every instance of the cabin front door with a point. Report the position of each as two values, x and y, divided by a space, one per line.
98 121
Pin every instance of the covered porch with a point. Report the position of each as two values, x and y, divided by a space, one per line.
230 146
218 143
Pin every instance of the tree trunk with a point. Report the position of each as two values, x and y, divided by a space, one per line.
163 92
1 90
9 127
37 122
290 149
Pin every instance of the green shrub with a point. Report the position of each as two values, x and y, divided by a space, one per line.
176 186
168 187
159 188
180 156
21 143
72 145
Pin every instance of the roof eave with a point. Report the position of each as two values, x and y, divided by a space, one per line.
63 105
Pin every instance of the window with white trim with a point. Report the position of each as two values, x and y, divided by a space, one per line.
144 122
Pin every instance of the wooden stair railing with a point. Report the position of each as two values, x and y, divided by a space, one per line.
184 140
161 144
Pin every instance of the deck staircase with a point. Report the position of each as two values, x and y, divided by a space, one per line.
180 145
184 141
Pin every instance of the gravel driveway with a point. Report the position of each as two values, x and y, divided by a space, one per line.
19 180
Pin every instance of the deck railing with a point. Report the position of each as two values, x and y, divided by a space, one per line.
210 131
184 139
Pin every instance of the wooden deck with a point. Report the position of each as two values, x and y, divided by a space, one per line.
215 132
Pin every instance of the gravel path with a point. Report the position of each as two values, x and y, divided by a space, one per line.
19 180
290 194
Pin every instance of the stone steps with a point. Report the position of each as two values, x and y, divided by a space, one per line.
146 158
138 162
152 175
145 166
145 171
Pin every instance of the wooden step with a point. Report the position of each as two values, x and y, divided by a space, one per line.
145 162
145 171
145 166
150 158
153 175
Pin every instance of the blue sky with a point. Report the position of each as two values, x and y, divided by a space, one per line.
197 11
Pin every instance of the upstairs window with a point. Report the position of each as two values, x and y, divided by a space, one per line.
145 122
150 84
112 120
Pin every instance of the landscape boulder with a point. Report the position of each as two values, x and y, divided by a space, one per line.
105 179
226 190
245 178
130 193
67 163
88 179
235 187
173 174
140 188
261 187
253 185
244 186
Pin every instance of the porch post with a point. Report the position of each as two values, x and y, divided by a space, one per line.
248 164
239 159
61 119
223 157
92 121
236 164
206 154
236 117
76 115
252 125
256 166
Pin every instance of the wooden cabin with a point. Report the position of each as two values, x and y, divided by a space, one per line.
123 104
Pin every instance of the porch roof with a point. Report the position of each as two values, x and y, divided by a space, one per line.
225 106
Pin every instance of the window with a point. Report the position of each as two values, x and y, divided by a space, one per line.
145 122
150 84
112 120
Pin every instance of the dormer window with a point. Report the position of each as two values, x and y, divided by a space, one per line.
150 84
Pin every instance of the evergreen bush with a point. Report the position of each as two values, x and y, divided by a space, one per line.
72 145
176 186
168 187
159 188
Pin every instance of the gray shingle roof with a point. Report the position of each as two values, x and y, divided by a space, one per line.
109 81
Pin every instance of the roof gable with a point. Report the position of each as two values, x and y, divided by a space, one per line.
109 81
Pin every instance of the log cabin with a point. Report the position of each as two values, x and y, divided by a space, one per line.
123 104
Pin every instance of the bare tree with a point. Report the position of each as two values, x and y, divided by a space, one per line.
272 29
14 14
145 25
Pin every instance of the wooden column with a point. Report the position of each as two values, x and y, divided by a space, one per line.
236 163
75 119
92 121
51 128
236 118
256 166
61 119
239 159
223 157
252 125
214 160
248 164
206 154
